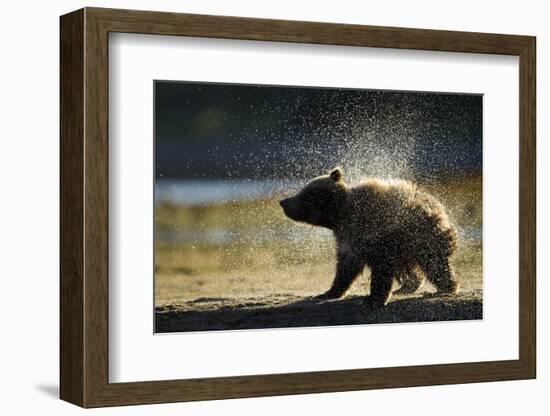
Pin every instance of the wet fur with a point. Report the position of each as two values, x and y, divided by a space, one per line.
398 231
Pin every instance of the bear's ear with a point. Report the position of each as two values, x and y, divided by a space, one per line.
336 174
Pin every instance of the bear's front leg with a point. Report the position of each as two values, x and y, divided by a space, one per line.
347 270
380 286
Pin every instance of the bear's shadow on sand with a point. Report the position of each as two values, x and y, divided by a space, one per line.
310 312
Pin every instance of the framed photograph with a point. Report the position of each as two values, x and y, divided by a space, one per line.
255 207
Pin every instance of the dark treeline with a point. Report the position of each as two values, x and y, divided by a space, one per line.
222 130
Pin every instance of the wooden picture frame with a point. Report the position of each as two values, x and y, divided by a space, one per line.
84 207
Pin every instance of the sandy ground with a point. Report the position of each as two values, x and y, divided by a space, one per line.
239 300
292 311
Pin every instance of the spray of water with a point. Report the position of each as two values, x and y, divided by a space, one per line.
361 146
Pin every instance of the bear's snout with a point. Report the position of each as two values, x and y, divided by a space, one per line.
286 204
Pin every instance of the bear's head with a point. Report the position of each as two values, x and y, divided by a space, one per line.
319 202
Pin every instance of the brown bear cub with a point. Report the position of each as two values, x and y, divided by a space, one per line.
390 226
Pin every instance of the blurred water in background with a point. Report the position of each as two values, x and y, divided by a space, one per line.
223 211
205 191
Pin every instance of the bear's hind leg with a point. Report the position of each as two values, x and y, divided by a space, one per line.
411 280
380 286
440 273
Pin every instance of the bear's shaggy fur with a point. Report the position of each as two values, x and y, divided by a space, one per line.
390 226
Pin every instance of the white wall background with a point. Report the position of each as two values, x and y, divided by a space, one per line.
29 159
